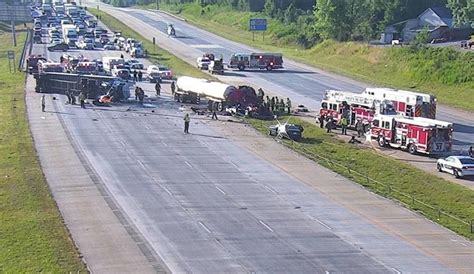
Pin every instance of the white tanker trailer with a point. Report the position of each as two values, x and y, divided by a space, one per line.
219 95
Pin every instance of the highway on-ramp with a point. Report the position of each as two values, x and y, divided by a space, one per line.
304 84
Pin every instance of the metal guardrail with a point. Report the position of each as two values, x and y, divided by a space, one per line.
386 189
23 52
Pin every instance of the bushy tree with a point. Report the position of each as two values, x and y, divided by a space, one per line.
463 11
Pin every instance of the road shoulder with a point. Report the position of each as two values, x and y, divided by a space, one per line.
105 243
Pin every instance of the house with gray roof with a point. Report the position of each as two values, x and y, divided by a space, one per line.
438 21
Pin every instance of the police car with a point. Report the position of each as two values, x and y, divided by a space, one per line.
459 166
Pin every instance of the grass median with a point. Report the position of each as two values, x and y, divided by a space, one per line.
416 189
33 237
156 54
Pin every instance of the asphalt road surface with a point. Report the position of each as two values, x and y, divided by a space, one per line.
206 205
303 84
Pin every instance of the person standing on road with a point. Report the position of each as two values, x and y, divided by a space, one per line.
173 88
137 90
68 95
82 99
140 76
288 105
43 102
281 110
141 95
344 125
186 119
321 121
471 152
135 75
329 125
158 88
73 98
272 104
360 128
214 114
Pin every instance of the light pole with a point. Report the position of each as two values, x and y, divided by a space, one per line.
157 5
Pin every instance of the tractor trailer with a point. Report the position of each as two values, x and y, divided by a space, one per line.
219 95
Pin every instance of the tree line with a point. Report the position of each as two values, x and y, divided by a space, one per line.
343 20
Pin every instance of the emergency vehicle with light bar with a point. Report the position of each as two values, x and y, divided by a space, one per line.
268 61
414 134
407 103
353 106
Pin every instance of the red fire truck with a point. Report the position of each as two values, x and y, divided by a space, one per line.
407 103
353 106
415 134
266 61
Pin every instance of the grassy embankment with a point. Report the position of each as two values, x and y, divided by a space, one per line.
436 192
397 176
447 73
156 54
33 237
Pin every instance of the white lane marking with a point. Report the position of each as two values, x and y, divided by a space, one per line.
327 272
321 223
140 162
232 163
266 226
220 190
463 244
188 164
123 143
396 270
270 189
167 190
205 46
204 226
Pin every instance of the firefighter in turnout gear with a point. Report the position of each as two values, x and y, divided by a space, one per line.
288 105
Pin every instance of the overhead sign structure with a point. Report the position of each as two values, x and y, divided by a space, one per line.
258 24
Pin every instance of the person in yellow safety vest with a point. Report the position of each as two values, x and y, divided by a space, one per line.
288 105
344 125
186 119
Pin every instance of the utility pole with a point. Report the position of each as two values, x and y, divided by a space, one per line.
157 5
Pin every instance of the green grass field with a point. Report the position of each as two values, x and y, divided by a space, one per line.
33 237
446 73
156 54
429 189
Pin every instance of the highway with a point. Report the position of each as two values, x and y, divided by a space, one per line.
208 202
305 85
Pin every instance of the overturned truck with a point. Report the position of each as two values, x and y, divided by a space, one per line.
219 95
93 86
